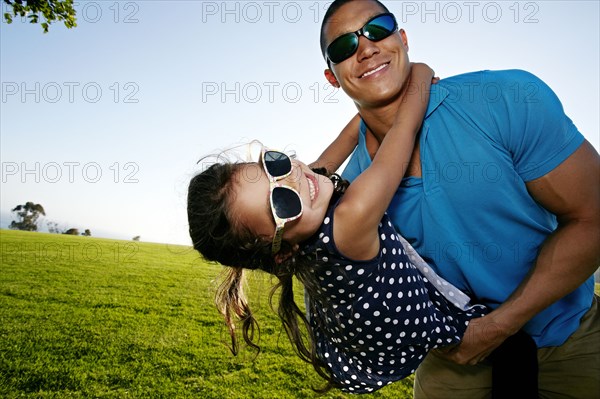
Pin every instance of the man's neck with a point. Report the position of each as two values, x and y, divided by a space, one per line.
380 120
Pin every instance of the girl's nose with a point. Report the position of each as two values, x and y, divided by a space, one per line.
294 178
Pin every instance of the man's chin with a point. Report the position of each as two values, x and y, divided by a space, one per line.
378 96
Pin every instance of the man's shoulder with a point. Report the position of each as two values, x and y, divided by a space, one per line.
479 88
472 79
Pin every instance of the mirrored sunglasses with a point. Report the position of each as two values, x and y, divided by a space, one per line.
376 29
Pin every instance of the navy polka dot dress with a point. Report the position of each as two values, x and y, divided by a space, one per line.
379 318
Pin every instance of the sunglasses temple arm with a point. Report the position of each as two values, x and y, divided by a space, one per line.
276 246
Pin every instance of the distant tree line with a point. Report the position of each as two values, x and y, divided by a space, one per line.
75 232
28 215
27 219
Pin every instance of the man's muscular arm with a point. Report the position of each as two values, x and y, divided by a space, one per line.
568 257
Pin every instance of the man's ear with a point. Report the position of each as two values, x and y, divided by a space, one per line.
282 256
404 39
331 78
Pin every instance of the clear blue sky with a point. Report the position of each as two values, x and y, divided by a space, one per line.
103 124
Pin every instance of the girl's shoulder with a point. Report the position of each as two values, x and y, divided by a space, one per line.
323 249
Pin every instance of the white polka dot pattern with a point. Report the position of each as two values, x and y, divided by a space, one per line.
382 316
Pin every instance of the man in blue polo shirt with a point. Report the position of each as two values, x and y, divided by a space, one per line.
501 197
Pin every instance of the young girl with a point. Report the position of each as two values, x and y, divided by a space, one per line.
375 307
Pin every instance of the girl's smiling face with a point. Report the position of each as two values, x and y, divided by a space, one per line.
250 204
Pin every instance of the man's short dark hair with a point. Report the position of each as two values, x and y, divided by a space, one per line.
333 8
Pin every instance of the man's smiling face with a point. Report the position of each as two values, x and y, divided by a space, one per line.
378 71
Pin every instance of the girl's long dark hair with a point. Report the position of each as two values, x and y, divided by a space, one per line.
219 237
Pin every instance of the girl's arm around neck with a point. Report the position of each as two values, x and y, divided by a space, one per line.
341 148
360 211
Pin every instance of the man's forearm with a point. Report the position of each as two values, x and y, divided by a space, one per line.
567 258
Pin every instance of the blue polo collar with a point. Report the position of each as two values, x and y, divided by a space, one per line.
437 96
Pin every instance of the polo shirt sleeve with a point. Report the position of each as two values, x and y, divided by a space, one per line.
530 122
352 169
360 160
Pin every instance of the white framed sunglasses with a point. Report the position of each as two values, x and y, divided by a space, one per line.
286 204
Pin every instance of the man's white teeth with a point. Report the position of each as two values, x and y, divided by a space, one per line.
379 68
311 189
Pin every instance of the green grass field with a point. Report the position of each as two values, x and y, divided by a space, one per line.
83 317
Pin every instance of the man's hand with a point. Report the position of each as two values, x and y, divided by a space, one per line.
481 337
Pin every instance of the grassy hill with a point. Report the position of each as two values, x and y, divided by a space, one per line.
83 317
